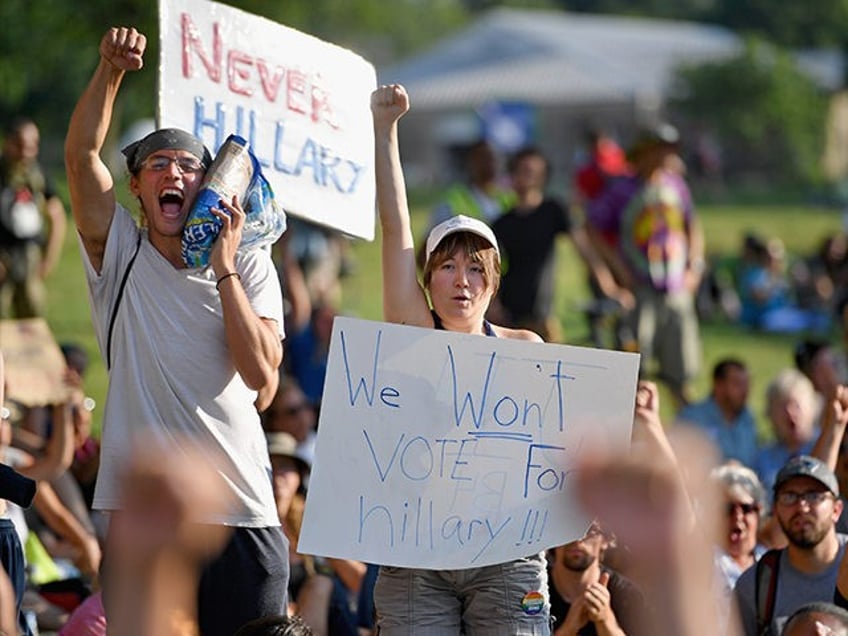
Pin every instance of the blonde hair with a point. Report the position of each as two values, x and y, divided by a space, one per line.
791 381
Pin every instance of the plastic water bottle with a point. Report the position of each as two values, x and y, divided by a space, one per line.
229 175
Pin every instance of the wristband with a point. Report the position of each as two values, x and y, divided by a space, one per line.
225 277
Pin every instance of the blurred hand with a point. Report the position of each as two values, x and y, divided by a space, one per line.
166 498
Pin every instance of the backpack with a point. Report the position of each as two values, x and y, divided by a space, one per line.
765 589
22 198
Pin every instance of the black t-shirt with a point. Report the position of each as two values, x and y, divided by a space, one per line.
626 599
527 240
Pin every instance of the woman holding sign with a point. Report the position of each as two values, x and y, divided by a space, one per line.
461 276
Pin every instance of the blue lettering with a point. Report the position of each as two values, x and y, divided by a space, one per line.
382 473
329 170
363 385
512 417
458 462
363 517
558 377
559 482
387 393
308 158
216 123
278 145
428 453
476 417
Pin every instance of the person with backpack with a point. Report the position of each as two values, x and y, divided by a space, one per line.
32 223
806 504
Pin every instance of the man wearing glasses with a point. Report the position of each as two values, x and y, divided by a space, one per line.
806 505
188 349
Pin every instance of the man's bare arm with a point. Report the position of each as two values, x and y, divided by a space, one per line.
90 183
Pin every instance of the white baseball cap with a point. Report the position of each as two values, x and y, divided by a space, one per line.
460 223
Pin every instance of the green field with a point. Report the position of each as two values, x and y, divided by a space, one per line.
801 228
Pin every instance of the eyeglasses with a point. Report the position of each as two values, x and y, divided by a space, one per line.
746 508
186 165
811 497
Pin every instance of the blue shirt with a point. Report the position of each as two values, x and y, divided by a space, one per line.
308 362
771 459
736 439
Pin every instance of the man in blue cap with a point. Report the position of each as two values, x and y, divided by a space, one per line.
188 349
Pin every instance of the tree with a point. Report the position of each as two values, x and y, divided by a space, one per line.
767 113
48 48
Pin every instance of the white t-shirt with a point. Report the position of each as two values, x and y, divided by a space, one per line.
171 373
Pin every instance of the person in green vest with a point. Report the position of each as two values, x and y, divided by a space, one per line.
480 196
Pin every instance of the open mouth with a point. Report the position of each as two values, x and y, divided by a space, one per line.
171 202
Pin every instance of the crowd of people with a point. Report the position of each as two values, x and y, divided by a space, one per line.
184 515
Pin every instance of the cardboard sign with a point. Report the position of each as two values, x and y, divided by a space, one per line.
444 450
34 364
303 105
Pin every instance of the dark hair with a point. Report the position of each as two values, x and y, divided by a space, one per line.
527 152
818 607
275 626
725 365
288 382
806 351
17 124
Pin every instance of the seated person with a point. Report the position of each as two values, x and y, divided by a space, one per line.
589 598
766 295
724 415
793 410
322 592
291 412
743 503
84 551
309 326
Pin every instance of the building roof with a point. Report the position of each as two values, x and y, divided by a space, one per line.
552 57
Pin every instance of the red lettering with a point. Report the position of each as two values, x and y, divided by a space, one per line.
297 85
322 109
191 42
236 61
305 93
270 83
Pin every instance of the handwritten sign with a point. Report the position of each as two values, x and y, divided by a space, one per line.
302 103
34 364
444 450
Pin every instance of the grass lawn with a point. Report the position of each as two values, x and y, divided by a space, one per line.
801 228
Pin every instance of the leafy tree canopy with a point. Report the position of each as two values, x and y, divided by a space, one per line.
761 104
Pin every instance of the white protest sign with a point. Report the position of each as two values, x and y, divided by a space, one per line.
444 450
303 105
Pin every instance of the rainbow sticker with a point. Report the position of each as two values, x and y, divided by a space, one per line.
533 603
